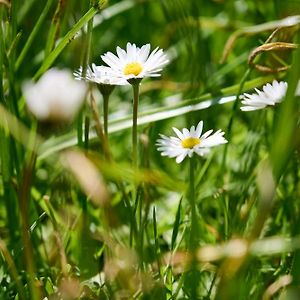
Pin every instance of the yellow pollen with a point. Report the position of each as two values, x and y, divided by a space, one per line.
133 68
190 142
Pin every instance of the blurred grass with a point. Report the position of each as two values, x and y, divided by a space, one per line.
59 239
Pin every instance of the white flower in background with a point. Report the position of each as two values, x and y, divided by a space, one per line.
100 75
270 95
136 62
55 97
189 142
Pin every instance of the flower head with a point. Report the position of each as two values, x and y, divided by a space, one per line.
99 74
189 142
136 62
55 97
271 94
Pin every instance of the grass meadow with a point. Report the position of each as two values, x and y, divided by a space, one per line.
97 202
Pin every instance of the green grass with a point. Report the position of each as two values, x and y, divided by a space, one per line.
79 220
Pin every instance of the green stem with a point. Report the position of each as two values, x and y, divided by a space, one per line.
2 52
226 216
99 130
79 129
192 278
136 87
86 132
24 200
193 236
105 114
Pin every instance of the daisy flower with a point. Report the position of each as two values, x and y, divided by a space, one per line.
271 94
135 62
55 97
189 142
100 75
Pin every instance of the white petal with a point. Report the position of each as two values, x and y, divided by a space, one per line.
199 129
121 54
178 132
181 157
186 133
144 53
193 131
206 134
213 140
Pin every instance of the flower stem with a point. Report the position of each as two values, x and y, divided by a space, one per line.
192 281
136 87
193 243
105 114
99 130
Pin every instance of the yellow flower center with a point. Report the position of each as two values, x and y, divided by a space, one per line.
190 142
134 68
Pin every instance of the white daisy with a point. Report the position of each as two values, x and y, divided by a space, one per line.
270 95
188 142
55 97
99 74
136 62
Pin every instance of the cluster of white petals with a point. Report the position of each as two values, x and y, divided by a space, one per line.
55 97
189 142
99 75
271 94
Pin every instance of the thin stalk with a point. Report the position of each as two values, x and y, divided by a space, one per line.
226 216
24 197
193 236
99 130
156 245
105 114
136 87
193 242
1 58
140 242
79 129
86 132
103 137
